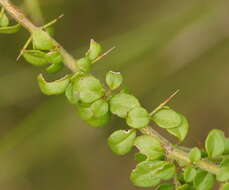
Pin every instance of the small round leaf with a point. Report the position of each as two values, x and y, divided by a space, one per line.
89 88
189 174
55 87
122 103
182 130
84 64
138 117
150 173
167 118
195 154
121 141
150 147
113 80
41 40
215 143
35 57
72 95
204 181
94 50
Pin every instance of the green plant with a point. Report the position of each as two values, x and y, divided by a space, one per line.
158 159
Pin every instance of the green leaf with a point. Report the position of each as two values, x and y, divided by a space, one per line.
55 87
97 114
204 181
226 151
94 51
113 80
223 174
71 94
4 21
185 187
195 154
138 117
150 173
122 103
182 130
41 40
149 146
55 68
54 57
84 64
165 187
10 29
100 108
189 174
225 187
89 88
139 157
35 57
121 141
215 143
167 118
99 121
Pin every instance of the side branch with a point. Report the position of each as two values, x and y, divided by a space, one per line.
20 17
179 155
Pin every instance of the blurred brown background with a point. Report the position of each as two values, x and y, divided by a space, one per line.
161 46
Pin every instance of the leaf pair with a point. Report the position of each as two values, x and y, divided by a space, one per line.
175 123
96 114
40 58
127 106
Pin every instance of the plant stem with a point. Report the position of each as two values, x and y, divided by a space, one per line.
179 155
20 17
172 152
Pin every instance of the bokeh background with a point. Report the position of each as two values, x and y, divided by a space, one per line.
161 46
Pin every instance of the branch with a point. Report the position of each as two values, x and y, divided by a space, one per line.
179 155
172 152
20 17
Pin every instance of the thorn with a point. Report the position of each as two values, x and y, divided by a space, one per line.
104 54
165 102
24 47
52 22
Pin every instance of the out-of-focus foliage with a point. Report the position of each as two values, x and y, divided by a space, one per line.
160 46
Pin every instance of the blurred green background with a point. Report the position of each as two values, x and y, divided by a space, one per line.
161 46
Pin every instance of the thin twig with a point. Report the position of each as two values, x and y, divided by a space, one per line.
52 22
103 55
20 17
24 47
165 102
172 152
